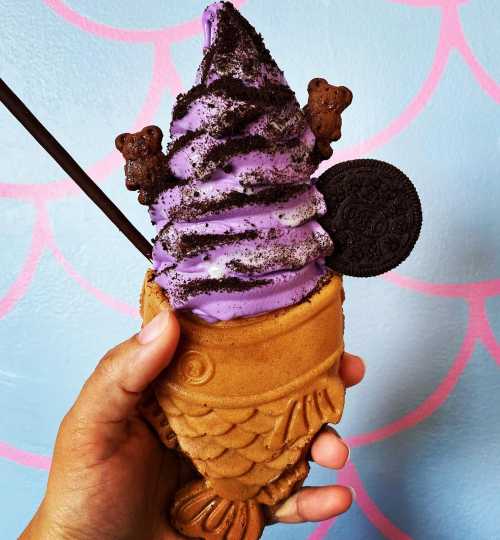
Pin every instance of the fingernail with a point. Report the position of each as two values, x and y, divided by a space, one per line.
348 454
154 328
353 493
287 510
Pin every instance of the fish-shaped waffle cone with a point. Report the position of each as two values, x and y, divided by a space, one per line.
243 400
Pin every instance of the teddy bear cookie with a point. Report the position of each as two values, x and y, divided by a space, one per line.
146 168
325 105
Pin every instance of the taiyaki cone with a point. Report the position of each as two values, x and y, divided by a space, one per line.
246 397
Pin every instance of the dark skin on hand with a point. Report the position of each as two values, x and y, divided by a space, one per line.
112 479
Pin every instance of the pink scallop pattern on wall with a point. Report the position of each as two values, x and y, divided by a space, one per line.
165 78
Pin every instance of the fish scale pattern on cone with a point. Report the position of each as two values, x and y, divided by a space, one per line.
252 445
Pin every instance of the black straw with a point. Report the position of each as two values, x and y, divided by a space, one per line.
71 167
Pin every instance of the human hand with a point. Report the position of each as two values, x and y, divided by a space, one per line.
111 478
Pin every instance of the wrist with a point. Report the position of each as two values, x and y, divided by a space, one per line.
44 527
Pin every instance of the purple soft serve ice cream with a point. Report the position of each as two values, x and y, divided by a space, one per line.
237 230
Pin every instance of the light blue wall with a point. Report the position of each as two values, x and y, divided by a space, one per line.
432 358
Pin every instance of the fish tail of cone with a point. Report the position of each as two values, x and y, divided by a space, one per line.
198 512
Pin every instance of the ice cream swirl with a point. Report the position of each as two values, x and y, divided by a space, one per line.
237 230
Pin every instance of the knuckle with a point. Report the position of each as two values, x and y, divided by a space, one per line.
301 511
66 424
74 422
107 366
109 363
73 432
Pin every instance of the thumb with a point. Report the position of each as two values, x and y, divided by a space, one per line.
112 392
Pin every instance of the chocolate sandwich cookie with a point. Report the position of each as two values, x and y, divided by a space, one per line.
373 216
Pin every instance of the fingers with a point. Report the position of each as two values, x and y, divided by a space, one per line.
352 369
329 450
315 504
320 503
112 392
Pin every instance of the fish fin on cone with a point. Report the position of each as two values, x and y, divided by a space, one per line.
155 416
